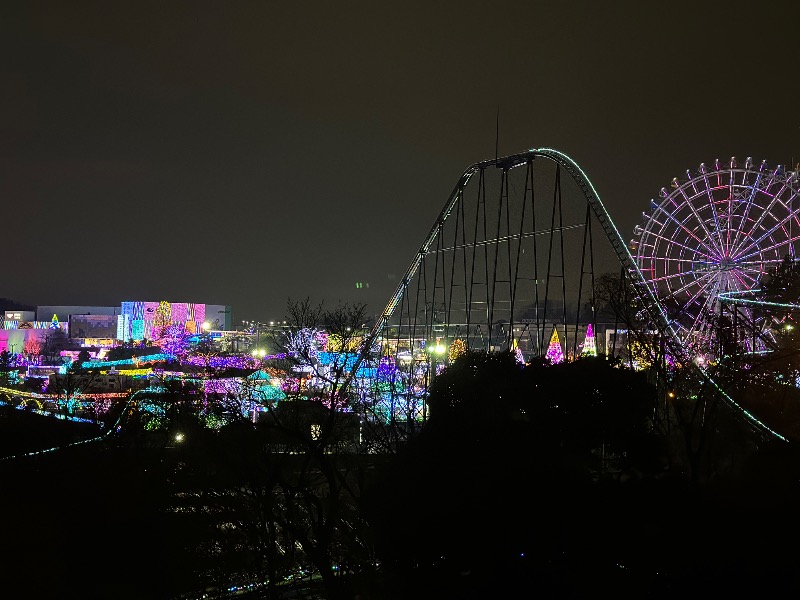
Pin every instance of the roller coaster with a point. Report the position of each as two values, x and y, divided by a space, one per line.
512 260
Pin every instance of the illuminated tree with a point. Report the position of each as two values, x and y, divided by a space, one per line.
163 316
32 347
172 339
554 352
457 348
517 352
590 343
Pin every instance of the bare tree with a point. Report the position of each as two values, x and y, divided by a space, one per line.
286 487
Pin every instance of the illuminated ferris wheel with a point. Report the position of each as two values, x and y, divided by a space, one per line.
717 231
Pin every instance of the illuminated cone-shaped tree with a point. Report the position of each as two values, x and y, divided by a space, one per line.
590 343
518 352
554 352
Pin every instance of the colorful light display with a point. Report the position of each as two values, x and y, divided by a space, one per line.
703 238
457 348
136 360
143 320
590 343
232 361
554 352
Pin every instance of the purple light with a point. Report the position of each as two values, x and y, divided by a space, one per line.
231 362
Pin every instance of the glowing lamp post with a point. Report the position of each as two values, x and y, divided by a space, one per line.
436 354
205 329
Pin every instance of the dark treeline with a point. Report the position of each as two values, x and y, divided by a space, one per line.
566 481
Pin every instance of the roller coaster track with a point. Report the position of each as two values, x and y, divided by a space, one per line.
646 297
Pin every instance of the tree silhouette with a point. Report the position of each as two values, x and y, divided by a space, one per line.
509 467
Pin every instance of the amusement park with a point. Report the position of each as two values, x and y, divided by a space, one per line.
513 263
524 309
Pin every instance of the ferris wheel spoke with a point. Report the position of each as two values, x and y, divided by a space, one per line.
689 232
754 264
760 220
688 285
666 259
709 192
748 237
674 275
674 243
709 297
789 241
698 318
697 217
753 273
745 285
700 322
730 214
753 191
755 243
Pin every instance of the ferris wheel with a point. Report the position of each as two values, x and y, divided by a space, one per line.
719 230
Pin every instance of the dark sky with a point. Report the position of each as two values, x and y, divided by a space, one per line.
245 153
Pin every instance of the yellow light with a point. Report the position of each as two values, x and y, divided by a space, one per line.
178 437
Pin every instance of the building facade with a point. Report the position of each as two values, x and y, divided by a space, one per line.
29 332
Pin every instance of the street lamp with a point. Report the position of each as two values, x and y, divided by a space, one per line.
436 353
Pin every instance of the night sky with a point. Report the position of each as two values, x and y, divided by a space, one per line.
245 153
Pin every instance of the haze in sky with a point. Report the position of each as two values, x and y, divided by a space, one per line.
251 152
